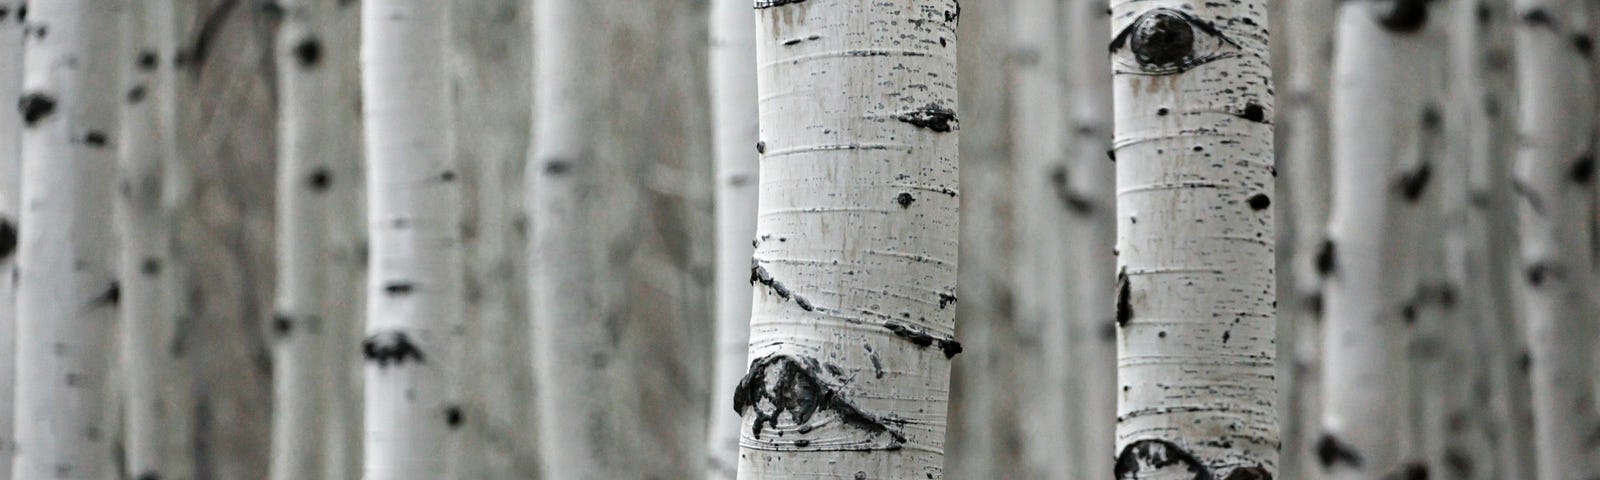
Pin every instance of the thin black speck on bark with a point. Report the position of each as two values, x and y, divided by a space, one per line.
1331 452
759 274
35 107
922 338
136 94
760 4
1405 16
1124 298
801 387
933 117
394 347
558 166
453 417
148 60
399 288
320 179
95 138
282 325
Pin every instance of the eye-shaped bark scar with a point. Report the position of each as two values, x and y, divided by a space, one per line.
385 347
1160 459
800 391
1168 42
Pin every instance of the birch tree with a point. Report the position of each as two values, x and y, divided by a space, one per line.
849 368
1552 177
733 91
1194 302
67 290
346 244
306 132
413 296
11 31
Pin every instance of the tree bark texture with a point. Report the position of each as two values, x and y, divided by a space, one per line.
11 32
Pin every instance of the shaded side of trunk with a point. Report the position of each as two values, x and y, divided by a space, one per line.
345 267
11 32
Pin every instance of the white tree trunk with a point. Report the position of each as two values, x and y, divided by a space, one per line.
414 197
307 130
1195 297
1089 191
1552 177
11 31
67 292
346 244
855 263
1043 252
733 91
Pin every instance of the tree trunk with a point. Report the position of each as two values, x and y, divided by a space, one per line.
1554 168
11 34
733 90
855 263
414 197
68 291
1195 296
307 131
346 244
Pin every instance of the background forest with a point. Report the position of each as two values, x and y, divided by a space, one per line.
306 191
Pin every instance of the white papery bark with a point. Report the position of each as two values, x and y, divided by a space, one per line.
733 90
414 199
855 263
346 244
1089 192
307 130
11 31
1376 101
67 290
1552 177
1043 253
1195 236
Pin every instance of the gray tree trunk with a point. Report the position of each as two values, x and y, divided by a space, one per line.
11 31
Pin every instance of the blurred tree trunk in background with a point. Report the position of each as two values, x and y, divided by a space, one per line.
346 243
620 180
11 31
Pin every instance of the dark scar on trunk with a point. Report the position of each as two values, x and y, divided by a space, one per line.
1409 471
390 347
109 297
1326 258
282 325
35 107
1124 298
1332 452
776 384
1254 112
775 3
905 199
399 288
932 117
922 338
1259 202
8 239
759 274
1582 170
1538 272
1405 16
1411 184
1158 459
945 300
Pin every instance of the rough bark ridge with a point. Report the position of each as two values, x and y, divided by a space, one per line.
1555 131
1195 299
67 292
855 262
307 129
733 89
10 205
620 179
414 298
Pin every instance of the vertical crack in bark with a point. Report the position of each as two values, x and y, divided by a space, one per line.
1124 298
795 390
759 274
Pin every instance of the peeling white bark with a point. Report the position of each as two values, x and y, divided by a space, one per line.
855 262
11 32
414 197
1195 297
733 91
67 291
1553 177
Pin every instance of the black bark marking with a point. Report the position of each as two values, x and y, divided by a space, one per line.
308 52
945 300
759 274
557 167
95 138
390 347
320 179
1405 16
453 417
1484 14
922 338
760 4
109 297
1161 38
198 48
148 60
1582 170
1409 471
1249 473
1331 452
136 94
1146 459
1076 203
1259 202
447 176
1431 119
802 388
1538 17
761 147
35 107
150 266
1112 154
1412 184
904 199
1254 112
1583 43
932 117
282 325
399 288
1124 298
8 239
1312 302
149 475
1326 259
877 364
1539 272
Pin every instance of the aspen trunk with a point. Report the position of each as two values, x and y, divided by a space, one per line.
1195 296
1552 176
850 356
68 291
733 90
414 197
11 31
346 246
306 133
1088 191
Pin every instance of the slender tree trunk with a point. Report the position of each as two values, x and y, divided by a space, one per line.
1552 176
1088 191
67 292
1044 309
855 263
1195 297
346 246
11 32
733 90
306 133
414 197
